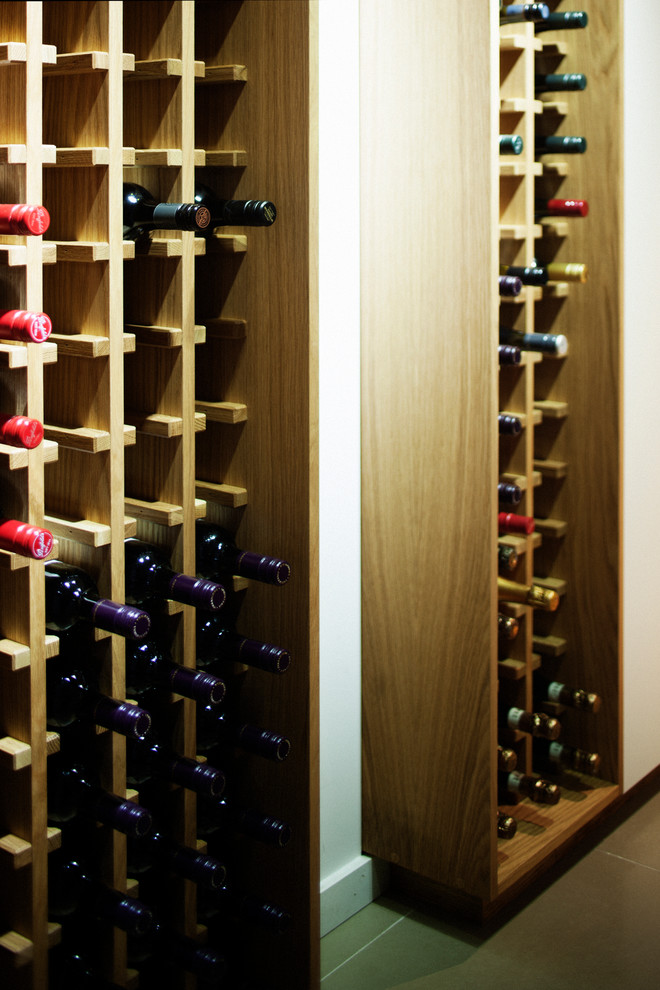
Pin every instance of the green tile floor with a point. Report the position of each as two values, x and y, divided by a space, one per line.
592 922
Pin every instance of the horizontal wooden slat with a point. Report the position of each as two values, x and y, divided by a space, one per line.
16 949
223 412
91 534
82 251
228 495
226 244
14 754
163 513
159 156
155 424
224 74
73 62
222 326
78 438
227 159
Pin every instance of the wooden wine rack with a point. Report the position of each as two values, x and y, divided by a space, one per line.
179 383
432 455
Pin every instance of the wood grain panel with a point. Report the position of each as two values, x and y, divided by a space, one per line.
428 448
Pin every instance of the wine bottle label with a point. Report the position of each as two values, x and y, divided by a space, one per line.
197 591
554 691
261 568
125 620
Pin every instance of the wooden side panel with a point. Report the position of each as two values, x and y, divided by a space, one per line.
429 439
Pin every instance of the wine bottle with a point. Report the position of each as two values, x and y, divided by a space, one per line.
507 627
509 285
235 212
508 354
73 891
528 275
511 144
149 575
70 968
223 817
238 906
222 727
147 666
551 344
509 425
572 272
19 324
560 208
217 641
21 431
217 554
559 82
142 214
158 849
161 947
23 219
537 724
564 20
506 759
561 694
509 494
506 826
542 598
151 758
507 557
74 790
515 13
553 144
71 596
553 757
70 696
525 785
24 539
509 522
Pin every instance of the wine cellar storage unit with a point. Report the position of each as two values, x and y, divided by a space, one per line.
438 687
178 384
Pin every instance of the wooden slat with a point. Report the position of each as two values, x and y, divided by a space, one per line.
14 754
78 62
228 495
223 412
225 73
162 513
91 534
82 251
80 438
227 159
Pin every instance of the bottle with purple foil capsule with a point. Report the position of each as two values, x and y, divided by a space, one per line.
71 695
147 666
220 819
217 554
70 968
509 494
509 354
509 285
528 274
149 576
155 953
509 425
74 791
231 905
159 849
153 759
218 641
222 727
72 596
72 890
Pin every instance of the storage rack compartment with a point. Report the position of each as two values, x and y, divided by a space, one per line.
126 93
566 460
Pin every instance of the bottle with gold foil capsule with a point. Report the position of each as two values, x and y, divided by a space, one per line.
506 826
551 757
574 271
542 598
507 557
507 759
536 724
520 785
507 627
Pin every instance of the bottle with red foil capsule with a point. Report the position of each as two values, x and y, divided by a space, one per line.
509 522
21 431
24 539
23 219
72 596
149 576
560 208
217 554
19 324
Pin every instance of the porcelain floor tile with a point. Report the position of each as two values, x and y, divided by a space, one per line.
358 931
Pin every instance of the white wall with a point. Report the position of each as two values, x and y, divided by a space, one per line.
641 433
348 878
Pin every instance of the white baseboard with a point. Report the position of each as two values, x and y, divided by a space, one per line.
351 888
